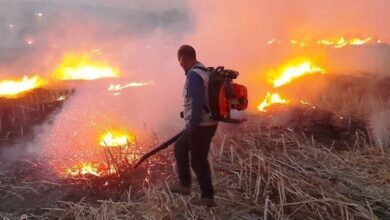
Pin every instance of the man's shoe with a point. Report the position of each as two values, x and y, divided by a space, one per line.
177 188
209 202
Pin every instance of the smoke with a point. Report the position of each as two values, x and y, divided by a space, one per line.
141 39
380 126
235 34
34 35
93 111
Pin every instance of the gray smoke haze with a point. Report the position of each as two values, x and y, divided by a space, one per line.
35 34
234 33
141 38
380 127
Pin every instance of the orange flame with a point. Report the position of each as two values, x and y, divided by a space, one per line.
12 88
303 102
271 99
116 139
83 168
342 42
338 42
291 72
284 75
76 67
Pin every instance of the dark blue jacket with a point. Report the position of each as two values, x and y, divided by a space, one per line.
195 91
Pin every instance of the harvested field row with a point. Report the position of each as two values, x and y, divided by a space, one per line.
266 173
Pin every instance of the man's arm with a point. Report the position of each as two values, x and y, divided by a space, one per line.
196 93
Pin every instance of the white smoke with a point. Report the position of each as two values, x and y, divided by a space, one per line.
34 35
380 127
141 38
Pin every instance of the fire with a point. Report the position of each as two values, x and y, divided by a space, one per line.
342 42
116 139
284 75
12 88
117 87
298 43
338 42
83 168
106 140
75 67
307 103
271 41
291 72
271 99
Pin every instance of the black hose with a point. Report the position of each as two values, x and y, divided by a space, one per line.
159 148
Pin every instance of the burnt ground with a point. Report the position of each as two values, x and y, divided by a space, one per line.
30 186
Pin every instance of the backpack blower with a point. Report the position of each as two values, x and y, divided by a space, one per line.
224 96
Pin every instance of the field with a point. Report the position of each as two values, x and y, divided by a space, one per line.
266 173
314 164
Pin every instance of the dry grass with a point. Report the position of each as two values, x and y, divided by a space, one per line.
364 97
267 174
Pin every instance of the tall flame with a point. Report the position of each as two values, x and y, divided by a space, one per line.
12 88
76 67
290 73
284 75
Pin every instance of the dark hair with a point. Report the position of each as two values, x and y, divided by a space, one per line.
187 52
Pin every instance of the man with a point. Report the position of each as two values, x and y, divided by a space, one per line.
200 129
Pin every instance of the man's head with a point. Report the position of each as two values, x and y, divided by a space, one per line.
187 57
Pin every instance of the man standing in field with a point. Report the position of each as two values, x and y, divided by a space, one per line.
200 129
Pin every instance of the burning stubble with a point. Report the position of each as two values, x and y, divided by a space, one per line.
313 70
347 40
137 42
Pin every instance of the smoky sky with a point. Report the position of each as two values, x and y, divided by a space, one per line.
33 27
20 20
